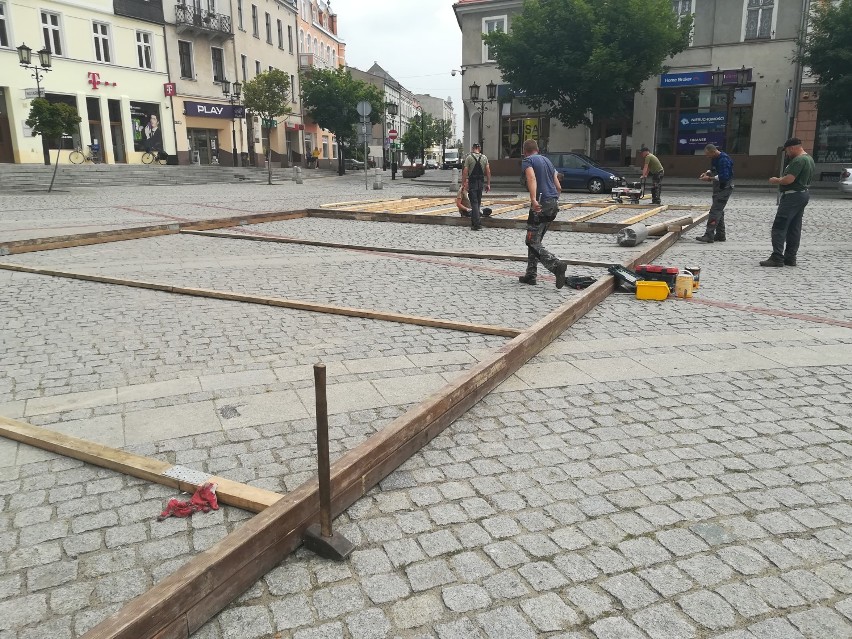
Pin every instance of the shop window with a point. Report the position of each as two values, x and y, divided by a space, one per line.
833 142
100 33
185 56
218 58
51 29
759 19
72 141
516 129
325 153
490 25
144 50
4 27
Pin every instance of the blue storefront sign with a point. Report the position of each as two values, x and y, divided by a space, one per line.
692 142
210 110
694 78
693 121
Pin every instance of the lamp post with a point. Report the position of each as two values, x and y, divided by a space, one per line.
491 93
393 109
43 66
233 99
422 136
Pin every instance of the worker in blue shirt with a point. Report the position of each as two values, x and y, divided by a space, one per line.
721 173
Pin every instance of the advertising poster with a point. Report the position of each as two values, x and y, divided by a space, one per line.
145 120
692 142
712 121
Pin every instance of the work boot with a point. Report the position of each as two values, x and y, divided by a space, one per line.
720 237
475 228
656 202
528 279
789 261
706 239
772 261
559 272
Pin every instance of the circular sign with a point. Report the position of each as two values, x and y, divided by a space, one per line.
392 134
364 108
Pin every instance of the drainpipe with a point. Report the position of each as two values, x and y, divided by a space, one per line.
797 81
171 97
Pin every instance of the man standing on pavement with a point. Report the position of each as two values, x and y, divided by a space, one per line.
544 189
721 173
653 167
475 175
794 186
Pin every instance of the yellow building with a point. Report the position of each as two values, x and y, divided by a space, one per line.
108 61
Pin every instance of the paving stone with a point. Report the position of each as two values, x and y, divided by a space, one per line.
549 612
615 628
368 624
708 610
337 600
821 622
384 588
629 590
664 622
245 621
505 623
465 598
425 575
418 610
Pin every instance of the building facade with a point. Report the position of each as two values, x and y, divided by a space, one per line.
733 86
442 111
108 62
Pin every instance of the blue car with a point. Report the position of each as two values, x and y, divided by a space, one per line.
578 171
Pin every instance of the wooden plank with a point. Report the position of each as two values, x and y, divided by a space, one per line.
385 316
645 215
594 214
228 492
338 205
208 582
473 255
661 228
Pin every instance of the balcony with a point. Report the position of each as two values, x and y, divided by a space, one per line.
312 61
195 21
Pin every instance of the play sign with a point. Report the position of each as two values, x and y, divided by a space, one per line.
392 134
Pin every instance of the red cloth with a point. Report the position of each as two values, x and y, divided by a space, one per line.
204 500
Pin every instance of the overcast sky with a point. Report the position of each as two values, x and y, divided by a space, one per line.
417 41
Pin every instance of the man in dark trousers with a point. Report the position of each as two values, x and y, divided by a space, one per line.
794 186
476 175
544 189
653 167
721 173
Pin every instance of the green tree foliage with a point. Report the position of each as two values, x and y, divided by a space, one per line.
268 95
52 121
410 141
423 131
578 59
330 98
827 50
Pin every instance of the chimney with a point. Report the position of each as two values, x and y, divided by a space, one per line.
332 23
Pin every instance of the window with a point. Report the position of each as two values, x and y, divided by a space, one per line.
185 56
4 29
490 25
254 28
51 29
240 14
293 88
290 37
302 41
759 19
244 67
280 35
218 64
682 8
100 31
144 50
334 58
269 28
257 67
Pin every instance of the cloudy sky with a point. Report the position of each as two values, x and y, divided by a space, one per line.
417 41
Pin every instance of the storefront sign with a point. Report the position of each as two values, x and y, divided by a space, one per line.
95 81
713 121
700 78
169 89
210 110
689 143
531 129
29 94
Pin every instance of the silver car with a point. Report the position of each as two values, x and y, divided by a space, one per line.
846 182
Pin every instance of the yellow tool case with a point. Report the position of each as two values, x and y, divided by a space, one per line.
648 290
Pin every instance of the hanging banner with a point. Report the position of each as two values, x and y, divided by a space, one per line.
691 142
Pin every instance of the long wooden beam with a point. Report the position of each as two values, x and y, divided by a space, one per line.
645 215
473 255
181 603
594 214
228 492
385 316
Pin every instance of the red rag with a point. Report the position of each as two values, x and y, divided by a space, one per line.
204 499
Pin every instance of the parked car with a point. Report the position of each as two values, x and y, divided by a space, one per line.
578 171
431 164
353 164
846 181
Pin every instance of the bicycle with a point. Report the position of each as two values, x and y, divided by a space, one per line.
160 157
78 157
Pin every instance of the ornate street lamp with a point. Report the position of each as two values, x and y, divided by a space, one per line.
742 76
233 99
44 65
491 93
718 77
393 110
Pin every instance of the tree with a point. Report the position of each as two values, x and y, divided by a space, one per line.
330 98
443 131
52 121
268 95
581 59
410 141
827 50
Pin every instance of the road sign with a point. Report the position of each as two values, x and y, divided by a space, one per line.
364 108
392 134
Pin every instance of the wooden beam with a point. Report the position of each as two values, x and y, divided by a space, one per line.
661 228
594 214
645 215
228 492
206 584
385 316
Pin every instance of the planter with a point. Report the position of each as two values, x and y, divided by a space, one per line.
412 172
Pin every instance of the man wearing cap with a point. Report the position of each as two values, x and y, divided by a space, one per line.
475 175
721 173
653 167
794 185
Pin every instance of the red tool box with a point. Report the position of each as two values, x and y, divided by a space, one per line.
655 273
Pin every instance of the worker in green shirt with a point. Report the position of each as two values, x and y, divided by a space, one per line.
653 167
794 186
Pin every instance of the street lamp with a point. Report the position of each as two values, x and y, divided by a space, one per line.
233 99
393 109
43 66
491 93
422 136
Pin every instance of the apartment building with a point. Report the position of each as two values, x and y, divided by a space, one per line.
442 110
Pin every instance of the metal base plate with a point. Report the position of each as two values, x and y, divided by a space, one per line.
336 547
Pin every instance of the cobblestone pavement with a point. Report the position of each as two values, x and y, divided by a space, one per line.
662 470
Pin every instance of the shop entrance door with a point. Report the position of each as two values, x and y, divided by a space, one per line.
118 152
6 154
206 142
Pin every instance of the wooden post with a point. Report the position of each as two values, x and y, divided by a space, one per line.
322 451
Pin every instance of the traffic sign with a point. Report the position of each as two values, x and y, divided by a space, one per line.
364 108
392 134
